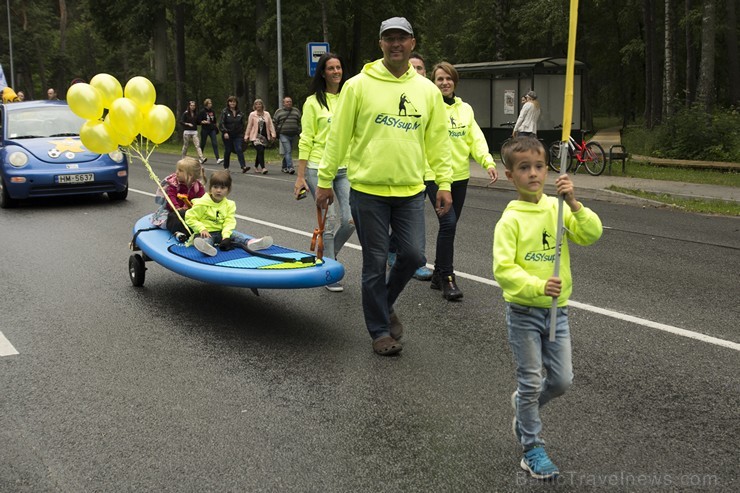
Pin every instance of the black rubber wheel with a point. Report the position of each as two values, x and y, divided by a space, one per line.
6 201
116 196
136 270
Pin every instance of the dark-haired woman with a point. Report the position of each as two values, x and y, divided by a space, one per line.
317 114
231 125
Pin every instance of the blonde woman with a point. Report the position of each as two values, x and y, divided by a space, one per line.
526 124
260 131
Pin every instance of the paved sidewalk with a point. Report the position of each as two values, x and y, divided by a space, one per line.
594 187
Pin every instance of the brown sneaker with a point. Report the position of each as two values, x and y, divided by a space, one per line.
386 346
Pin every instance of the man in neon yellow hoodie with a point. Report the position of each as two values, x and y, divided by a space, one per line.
393 120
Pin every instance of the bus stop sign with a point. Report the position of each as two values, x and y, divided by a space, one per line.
313 53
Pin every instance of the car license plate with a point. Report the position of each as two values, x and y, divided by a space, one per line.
79 178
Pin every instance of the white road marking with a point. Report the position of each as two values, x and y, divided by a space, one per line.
583 306
6 348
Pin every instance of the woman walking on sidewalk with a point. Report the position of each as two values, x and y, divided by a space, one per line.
231 125
526 124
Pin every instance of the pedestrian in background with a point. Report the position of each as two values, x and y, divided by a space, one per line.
208 128
288 127
526 124
189 122
231 125
260 132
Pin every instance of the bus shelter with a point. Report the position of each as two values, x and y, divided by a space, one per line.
494 90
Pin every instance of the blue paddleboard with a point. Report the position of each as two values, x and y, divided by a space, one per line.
232 268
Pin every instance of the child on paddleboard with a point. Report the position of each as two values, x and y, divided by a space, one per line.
213 219
182 187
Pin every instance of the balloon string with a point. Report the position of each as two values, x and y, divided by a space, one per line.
135 148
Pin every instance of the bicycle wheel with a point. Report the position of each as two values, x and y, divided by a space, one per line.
554 158
593 159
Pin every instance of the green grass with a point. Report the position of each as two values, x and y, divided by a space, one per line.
702 206
272 156
636 169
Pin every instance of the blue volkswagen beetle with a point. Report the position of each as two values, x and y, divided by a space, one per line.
41 155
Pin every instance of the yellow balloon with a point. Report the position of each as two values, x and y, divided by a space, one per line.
141 91
159 124
119 138
85 101
109 88
125 116
95 136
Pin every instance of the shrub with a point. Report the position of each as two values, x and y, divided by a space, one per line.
693 134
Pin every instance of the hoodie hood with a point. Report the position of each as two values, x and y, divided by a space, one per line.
378 71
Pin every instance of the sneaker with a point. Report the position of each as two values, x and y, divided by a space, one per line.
260 243
219 160
391 258
203 161
514 421
181 237
423 273
284 170
202 245
291 171
335 287
539 465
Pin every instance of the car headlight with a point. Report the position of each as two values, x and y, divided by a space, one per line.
18 159
116 155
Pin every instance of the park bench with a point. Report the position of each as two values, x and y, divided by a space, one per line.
617 152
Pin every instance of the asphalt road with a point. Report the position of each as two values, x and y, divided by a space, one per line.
186 386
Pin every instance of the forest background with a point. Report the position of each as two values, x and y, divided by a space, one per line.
670 66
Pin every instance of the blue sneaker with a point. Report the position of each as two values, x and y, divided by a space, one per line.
423 273
514 422
538 464
391 258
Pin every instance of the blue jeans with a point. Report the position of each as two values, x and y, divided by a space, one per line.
233 143
373 215
204 134
443 260
529 341
216 238
338 227
286 146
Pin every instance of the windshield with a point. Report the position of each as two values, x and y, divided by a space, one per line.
50 121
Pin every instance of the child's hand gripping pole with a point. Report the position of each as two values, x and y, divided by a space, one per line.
317 240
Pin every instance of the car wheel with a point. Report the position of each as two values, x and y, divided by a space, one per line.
136 270
6 201
116 196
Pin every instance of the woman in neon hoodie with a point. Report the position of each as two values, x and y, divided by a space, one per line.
318 110
466 139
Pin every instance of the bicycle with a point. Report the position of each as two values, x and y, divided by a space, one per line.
511 125
590 155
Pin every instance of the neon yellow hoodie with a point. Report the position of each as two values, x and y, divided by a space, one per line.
315 125
212 216
524 248
467 140
392 126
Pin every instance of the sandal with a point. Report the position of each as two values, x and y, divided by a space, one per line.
264 171
386 346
